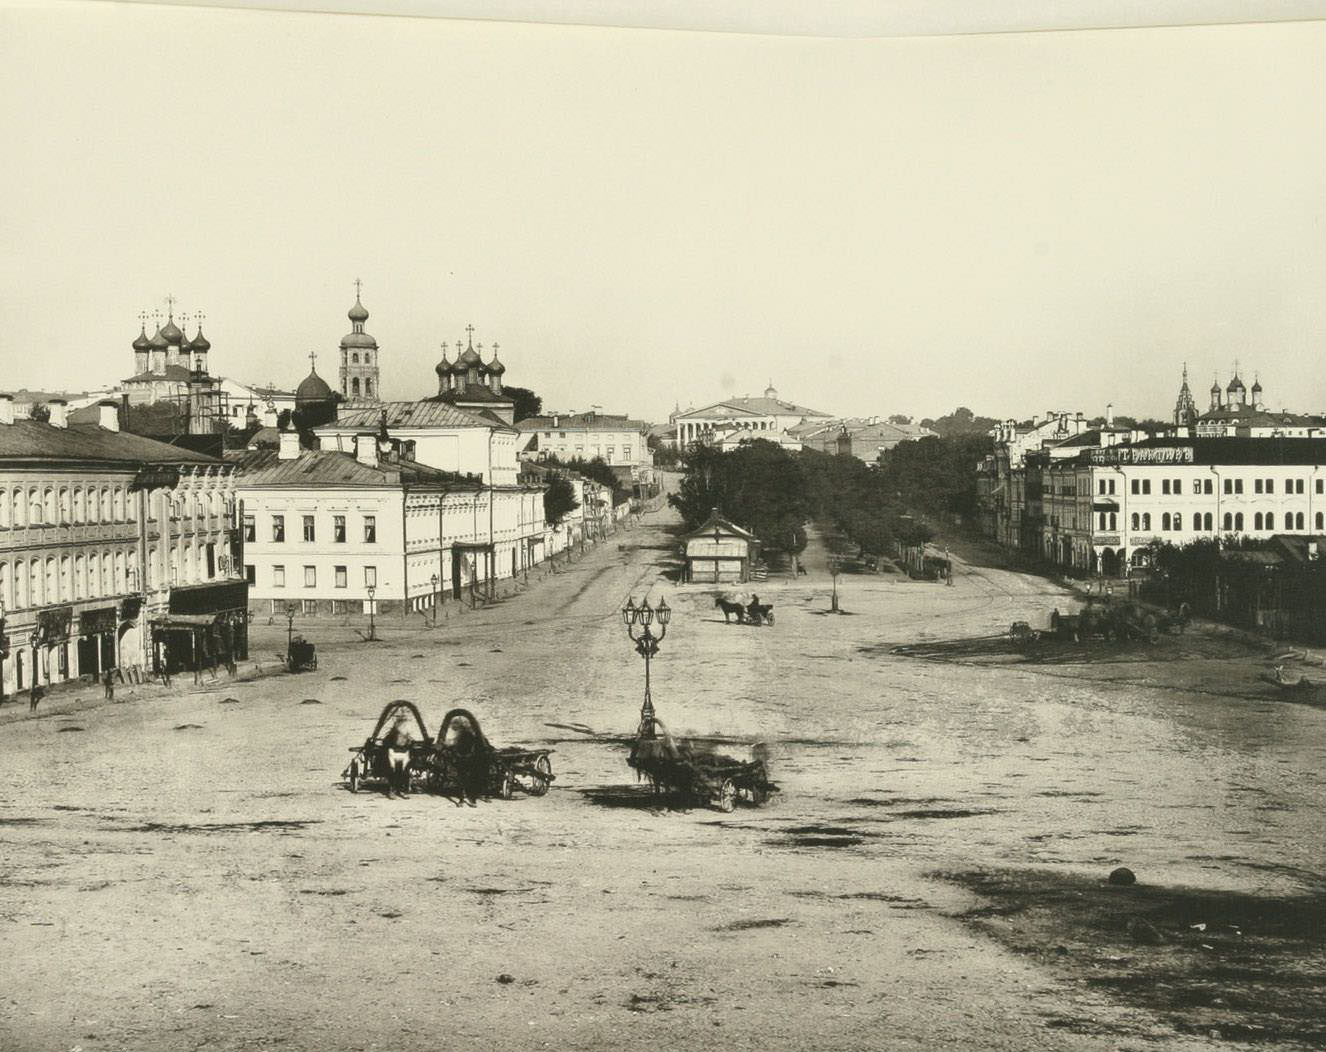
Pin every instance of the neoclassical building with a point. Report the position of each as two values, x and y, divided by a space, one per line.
115 550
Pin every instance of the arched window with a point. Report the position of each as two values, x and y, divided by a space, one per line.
1298 520
20 585
107 572
119 504
354 358
1321 521
1146 520
1207 521
66 508
34 508
354 387
52 584
34 583
1164 521
1257 521
80 578
1270 520
49 506
5 581
93 574
1229 521
1238 522
121 582
20 516
77 504
107 508
368 388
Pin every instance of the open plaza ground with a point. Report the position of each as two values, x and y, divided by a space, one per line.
185 868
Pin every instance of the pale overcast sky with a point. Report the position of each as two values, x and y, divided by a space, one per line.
1011 222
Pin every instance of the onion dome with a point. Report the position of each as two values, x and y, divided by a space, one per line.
357 313
353 341
1215 386
170 332
496 366
312 389
200 342
443 368
1256 386
142 343
158 342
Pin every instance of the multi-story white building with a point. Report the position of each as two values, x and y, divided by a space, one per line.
618 440
323 527
1111 503
116 551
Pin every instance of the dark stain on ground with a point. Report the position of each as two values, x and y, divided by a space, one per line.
275 825
337 679
21 821
820 835
228 701
752 925
68 730
310 701
189 727
1250 967
640 797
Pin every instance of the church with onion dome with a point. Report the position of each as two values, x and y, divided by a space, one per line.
359 379
471 383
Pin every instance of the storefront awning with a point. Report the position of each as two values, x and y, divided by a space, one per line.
184 621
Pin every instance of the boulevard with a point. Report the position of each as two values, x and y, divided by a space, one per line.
188 870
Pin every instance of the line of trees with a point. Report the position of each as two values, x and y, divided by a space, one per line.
774 492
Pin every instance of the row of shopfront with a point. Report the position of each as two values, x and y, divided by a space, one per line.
132 638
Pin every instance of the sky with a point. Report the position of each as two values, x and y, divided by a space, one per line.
645 218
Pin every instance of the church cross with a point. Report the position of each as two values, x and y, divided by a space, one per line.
313 360
358 283
170 305
495 346
470 329
444 348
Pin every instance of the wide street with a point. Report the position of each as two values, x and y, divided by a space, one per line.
190 871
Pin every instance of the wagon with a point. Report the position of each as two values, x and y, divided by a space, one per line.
696 771
464 762
460 761
301 656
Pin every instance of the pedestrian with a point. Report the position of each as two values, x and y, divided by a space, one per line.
108 681
34 696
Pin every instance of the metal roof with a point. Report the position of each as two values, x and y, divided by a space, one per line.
329 467
410 414
32 439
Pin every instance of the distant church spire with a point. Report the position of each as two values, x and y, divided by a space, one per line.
1185 409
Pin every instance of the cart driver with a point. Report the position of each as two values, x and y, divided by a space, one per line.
397 742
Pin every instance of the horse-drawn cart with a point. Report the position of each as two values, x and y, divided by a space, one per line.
401 756
301 655
696 771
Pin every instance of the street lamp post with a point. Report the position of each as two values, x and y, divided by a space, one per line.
646 645
372 606
435 599
289 630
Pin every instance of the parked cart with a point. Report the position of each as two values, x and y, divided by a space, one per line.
401 756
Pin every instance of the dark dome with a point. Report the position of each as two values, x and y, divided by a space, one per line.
200 342
170 332
142 343
158 341
356 340
495 366
357 312
313 389
443 367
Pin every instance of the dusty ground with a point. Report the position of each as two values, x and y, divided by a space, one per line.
185 870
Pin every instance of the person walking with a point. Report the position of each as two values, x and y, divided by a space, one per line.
108 681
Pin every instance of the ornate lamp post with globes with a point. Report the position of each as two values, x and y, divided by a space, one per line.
646 645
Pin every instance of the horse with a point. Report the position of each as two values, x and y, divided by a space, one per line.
729 609
397 742
467 748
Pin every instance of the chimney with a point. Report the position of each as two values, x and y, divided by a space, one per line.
555 419
6 409
59 412
289 445
124 412
366 448
108 418
1109 415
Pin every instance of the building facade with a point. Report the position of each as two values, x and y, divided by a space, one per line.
103 536
618 440
360 376
734 418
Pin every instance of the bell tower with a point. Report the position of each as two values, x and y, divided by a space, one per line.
359 357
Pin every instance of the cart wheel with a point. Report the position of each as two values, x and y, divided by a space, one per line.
726 800
769 617
354 776
542 777
508 789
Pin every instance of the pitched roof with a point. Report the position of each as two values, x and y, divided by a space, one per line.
330 467
32 439
170 372
420 414
587 421
717 521
755 407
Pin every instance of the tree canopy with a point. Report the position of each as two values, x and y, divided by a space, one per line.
559 500
527 402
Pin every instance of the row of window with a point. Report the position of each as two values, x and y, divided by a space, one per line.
310 528
1174 487
340 574
49 506
309 607
36 582
1232 521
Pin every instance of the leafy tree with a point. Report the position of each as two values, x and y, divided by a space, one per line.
962 421
899 418
527 402
597 469
559 500
40 412
665 456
